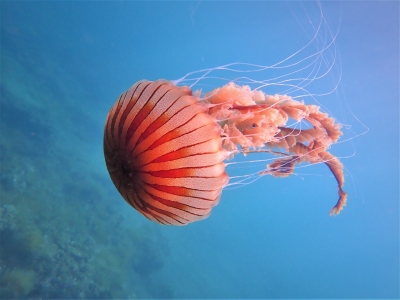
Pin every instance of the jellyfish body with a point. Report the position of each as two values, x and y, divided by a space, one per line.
165 147
164 153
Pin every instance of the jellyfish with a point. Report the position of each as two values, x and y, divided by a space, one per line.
166 146
169 144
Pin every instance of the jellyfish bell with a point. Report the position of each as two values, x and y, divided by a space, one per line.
164 153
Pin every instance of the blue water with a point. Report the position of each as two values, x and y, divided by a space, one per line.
65 232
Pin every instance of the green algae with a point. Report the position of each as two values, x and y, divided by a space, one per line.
17 283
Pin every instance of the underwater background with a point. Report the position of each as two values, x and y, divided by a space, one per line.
65 231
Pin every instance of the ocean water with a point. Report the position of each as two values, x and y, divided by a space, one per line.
65 232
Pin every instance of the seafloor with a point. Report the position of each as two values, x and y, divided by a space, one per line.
62 229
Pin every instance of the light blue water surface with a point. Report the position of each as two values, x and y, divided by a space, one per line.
65 63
